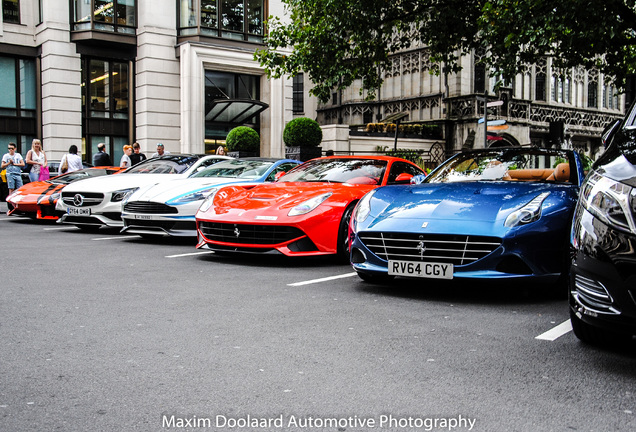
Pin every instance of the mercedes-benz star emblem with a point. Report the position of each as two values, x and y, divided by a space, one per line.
78 200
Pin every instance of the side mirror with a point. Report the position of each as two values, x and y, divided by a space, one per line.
609 131
279 175
403 178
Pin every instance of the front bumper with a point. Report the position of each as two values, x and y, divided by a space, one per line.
603 274
508 258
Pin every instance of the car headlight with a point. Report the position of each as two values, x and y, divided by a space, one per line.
528 213
363 208
122 194
610 201
309 205
207 203
194 196
50 199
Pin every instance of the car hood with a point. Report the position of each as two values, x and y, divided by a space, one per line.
172 189
117 182
283 196
458 206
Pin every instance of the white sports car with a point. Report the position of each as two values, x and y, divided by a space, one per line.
96 202
168 208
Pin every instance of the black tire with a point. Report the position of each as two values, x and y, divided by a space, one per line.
343 234
595 335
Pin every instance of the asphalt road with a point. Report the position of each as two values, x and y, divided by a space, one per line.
109 332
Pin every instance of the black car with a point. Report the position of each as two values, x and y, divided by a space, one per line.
603 270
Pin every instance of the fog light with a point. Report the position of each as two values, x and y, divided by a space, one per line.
357 256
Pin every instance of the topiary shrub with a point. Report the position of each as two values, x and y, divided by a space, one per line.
302 132
243 138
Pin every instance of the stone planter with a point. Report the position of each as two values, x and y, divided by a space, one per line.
303 153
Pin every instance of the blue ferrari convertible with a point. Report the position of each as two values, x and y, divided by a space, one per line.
490 213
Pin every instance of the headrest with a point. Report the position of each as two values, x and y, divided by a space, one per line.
562 172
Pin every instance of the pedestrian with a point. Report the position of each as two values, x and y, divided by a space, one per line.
125 159
137 156
220 151
36 157
13 162
101 158
160 151
70 161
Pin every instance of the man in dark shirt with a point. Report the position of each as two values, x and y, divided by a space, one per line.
101 158
137 156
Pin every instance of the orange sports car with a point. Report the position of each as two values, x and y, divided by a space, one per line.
37 199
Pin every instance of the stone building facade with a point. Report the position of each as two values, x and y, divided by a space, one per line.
543 106
117 71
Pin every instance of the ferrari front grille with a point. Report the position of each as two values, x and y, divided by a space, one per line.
455 249
249 234
147 207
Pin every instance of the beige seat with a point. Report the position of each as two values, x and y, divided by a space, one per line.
561 173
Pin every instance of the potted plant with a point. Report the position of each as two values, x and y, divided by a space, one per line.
302 136
243 141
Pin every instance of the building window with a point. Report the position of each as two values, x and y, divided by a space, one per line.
105 106
107 89
298 91
233 19
221 86
592 89
11 11
561 89
119 16
610 97
480 78
540 80
18 84
18 81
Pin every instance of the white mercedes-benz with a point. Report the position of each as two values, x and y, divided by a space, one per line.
93 203
168 208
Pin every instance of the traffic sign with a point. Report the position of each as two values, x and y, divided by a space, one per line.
494 103
496 128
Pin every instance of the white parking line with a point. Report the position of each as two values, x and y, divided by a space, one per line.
313 281
556 332
115 237
57 228
189 254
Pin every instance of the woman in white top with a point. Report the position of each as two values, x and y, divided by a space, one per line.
73 161
36 158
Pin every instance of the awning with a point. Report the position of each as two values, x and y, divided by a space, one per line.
234 110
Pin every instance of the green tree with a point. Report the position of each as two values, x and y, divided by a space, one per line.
302 132
243 138
339 41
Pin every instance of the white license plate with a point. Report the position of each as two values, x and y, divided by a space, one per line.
421 269
74 211
145 217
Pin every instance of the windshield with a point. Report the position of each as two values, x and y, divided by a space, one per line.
65 179
336 170
164 165
247 169
505 165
